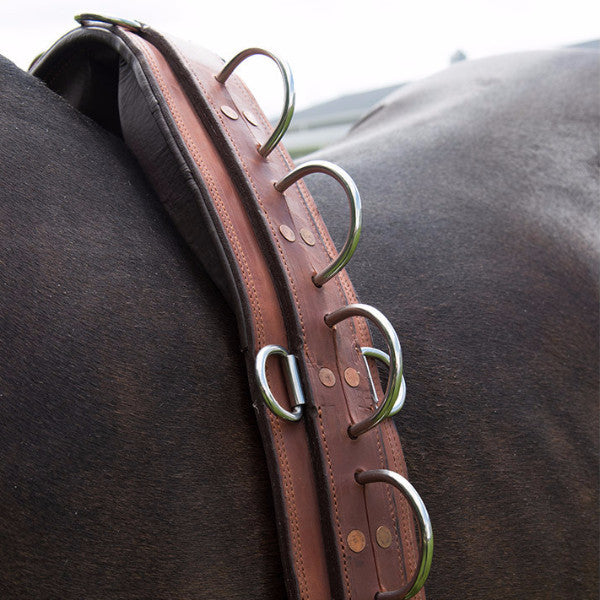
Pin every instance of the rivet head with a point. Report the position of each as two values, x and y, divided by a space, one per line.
352 377
229 112
287 233
251 118
356 540
307 236
384 537
327 377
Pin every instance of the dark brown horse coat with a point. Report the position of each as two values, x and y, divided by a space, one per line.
131 466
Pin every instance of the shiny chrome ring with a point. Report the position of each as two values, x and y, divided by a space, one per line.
394 383
86 19
380 355
426 532
292 377
289 94
323 166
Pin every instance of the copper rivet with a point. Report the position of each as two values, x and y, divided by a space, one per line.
352 377
287 233
384 536
307 236
229 112
251 118
327 377
356 540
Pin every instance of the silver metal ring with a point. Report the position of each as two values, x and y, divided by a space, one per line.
323 166
394 383
380 355
91 18
292 377
426 532
289 94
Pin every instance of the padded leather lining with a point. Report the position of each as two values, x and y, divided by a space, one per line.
87 76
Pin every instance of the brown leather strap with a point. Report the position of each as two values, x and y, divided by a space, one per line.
219 191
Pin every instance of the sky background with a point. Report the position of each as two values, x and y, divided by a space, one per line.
333 46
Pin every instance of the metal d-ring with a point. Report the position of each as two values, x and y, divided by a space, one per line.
86 19
292 377
394 383
426 532
323 166
289 98
382 356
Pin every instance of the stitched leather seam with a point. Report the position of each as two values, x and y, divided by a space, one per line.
246 273
276 426
406 511
282 451
297 546
337 518
289 484
393 513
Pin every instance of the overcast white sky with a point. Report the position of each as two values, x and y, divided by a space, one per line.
333 46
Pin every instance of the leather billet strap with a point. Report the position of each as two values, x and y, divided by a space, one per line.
204 165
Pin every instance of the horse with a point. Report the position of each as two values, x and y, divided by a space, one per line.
131 464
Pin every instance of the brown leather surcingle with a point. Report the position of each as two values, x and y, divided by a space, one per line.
200 138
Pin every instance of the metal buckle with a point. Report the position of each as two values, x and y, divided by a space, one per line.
292 377
380 355
87 19
289 100
426 532
323 166
394 383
